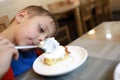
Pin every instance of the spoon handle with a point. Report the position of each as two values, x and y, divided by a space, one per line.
25 47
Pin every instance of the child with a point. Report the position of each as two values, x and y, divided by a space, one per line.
30 26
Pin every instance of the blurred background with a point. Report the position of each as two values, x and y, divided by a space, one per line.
75 17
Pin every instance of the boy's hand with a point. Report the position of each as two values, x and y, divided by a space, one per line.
7 52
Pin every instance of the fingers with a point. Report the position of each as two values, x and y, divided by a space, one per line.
4 41
9 48
16 55
14 51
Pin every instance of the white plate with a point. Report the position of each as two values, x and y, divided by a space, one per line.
77 57
117 72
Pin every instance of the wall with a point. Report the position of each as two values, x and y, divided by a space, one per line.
11 7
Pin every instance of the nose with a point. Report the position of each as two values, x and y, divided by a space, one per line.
37 41
41 38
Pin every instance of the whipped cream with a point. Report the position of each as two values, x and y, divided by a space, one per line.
53 49
59 52
50 45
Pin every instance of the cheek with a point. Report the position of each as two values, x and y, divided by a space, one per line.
42 36
19 39
33 34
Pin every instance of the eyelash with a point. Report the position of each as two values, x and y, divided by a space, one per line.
41 30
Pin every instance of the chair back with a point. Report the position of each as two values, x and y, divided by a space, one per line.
106 10
86 15
86 9
4 22
56 5
98 5
63 35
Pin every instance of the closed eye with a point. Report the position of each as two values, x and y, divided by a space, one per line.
41 29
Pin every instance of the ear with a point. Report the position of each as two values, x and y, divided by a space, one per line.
21 16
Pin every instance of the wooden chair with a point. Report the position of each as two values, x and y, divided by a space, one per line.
57 6
106 10
63 35
4 22
86 15
98 11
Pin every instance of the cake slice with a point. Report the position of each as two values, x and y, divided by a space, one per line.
57 56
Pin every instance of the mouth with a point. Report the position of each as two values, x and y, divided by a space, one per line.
37 43
33 43
30 44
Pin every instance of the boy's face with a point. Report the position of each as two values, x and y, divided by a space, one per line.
30 31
